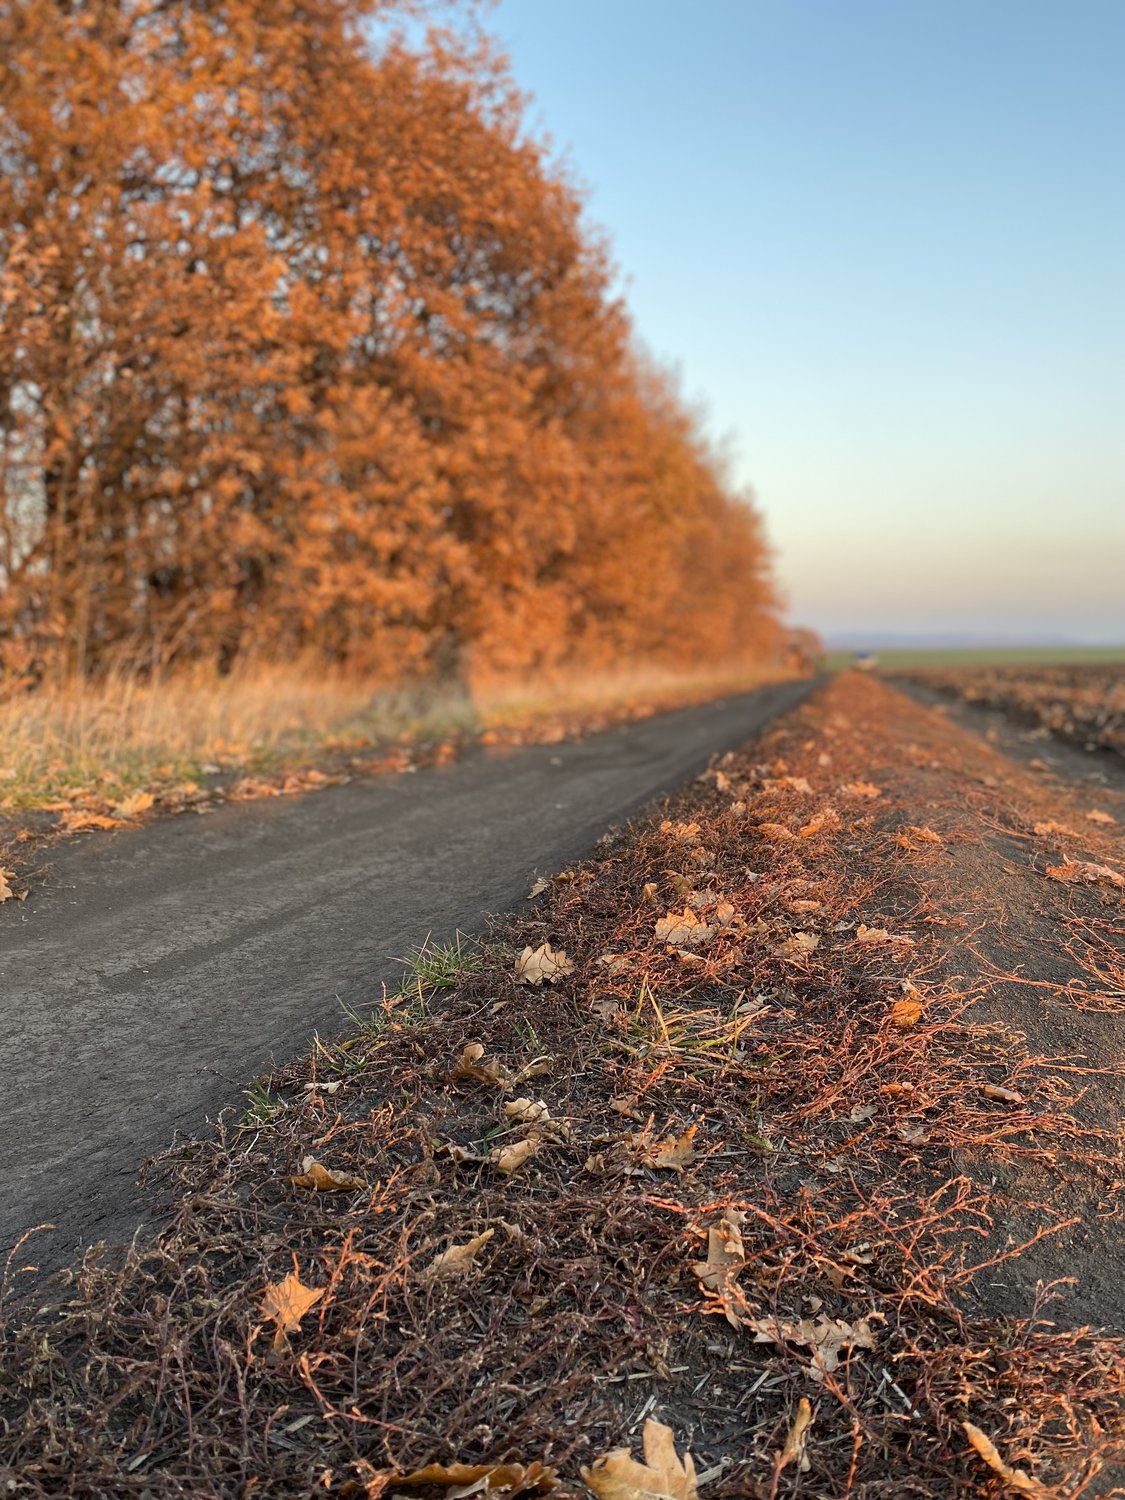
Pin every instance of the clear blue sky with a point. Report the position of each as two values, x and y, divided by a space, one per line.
884 240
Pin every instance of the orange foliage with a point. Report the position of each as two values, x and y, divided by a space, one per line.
304 347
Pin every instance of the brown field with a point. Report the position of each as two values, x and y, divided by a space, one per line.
1083 703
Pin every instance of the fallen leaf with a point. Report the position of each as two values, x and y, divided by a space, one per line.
482 1478
527 1112
1019 1479
799 945
906 1013
472 1064
828 818
322 1180
662 1476
776 833
683 930
1043 829
455 1261
913 1135
1082 871
541 885
286 1303
825 1338
132 807
804 905
795 1440
1097 815
648 892
671 1155
687 833
861 789
324 1088
926 835
627 1106
509 1159
83 822
542 965
1005 1096
787 783
6 892
726 1256
616 963
865 934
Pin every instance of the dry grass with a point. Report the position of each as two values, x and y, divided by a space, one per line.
131 732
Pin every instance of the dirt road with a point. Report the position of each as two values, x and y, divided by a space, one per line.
158 971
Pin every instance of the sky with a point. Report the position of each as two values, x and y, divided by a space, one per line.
884 243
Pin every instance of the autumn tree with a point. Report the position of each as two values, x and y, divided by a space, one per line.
305 346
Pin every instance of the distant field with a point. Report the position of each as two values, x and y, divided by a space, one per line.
987 656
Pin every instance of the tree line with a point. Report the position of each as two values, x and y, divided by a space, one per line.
305 347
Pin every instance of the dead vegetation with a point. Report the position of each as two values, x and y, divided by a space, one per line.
717 1153
1085 704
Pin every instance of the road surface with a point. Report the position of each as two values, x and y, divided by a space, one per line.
158 970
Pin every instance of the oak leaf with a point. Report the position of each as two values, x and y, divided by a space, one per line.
473 1064
322 1180
286 1302
1081 871
799 945
861 789
468 1479
775 833
726 1257
672 1154
683 930
134 806
826 819
455 1261
905 1013
84 822
509 1159
662 1476
542 965
825 1338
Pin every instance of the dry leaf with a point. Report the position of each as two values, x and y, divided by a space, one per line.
824 1338
1043 829
536 966
662 1476
616 963
787 783
926 835
1005 1096
799 945
324 1088
286 1303
6 892
527 1112
683 930
726 1257
1097 815
1082 871
83 822
627 1106
795 1440
671 1155
861 789
906 1013
455 1261
804 905
865 934
687 833
483 1478
472 1065
132 807
648 892
775 832
541 885
1019 1479
828 818
509 1159
322 1180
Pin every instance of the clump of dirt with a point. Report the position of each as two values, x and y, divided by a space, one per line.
752 1124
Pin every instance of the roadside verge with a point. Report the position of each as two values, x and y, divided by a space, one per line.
741 1129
